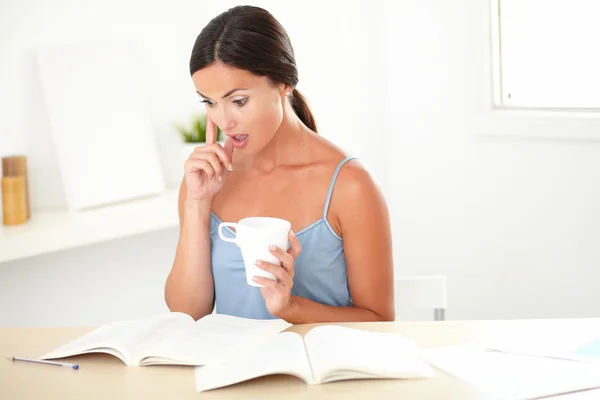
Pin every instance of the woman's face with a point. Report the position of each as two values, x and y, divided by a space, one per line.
247 108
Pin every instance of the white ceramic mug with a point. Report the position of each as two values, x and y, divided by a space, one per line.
253 236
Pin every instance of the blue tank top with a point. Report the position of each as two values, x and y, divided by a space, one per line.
320 269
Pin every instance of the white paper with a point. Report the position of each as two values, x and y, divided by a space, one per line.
581 346
593 394
512 376
175 338
123 339
216 338
282 354
337 352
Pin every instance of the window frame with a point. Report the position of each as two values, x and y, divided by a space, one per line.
489 116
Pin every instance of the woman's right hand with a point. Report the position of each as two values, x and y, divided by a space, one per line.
207 168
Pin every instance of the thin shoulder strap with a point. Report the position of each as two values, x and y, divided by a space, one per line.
332 184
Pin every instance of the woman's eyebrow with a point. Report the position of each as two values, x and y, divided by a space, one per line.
225 95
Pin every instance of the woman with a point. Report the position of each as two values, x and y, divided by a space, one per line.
273 163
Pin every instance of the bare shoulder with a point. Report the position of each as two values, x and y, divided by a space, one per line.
354 178
356 197
358 204
355 186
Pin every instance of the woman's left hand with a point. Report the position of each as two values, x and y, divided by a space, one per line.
278 294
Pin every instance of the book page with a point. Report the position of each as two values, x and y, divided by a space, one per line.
337 353
126 338
213 338
282 354
513 376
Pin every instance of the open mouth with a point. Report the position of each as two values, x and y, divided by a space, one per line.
239 141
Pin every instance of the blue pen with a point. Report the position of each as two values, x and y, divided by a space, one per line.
34 360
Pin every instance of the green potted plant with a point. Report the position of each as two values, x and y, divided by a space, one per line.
194 134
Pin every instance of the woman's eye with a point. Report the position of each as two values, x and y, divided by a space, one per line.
207 102
241 102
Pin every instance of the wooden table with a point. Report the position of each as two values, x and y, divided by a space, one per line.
105 377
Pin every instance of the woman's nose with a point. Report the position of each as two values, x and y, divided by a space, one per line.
226 121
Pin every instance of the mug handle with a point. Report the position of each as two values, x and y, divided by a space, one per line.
230 225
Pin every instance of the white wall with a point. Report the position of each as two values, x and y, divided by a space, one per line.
512 223
91 285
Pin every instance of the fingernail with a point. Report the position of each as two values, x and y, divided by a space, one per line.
230 167
293 234
255 279
272 247
220 178
257 262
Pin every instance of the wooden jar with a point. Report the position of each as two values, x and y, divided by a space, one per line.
15 190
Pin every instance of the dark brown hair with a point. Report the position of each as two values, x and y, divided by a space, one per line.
250 38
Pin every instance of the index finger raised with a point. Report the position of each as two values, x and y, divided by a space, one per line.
211 131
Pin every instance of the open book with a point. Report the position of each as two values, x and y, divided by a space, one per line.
173 338
328 353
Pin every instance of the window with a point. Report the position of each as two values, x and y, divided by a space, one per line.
538 71
549 53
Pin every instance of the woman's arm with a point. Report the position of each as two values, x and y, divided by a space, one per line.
361 215
190 287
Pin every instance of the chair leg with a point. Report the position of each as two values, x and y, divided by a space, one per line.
439 314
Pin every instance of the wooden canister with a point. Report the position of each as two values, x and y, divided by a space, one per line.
14 204
17 166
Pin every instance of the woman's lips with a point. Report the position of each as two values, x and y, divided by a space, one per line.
239 141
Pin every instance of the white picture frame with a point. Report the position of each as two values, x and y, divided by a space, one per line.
100 123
